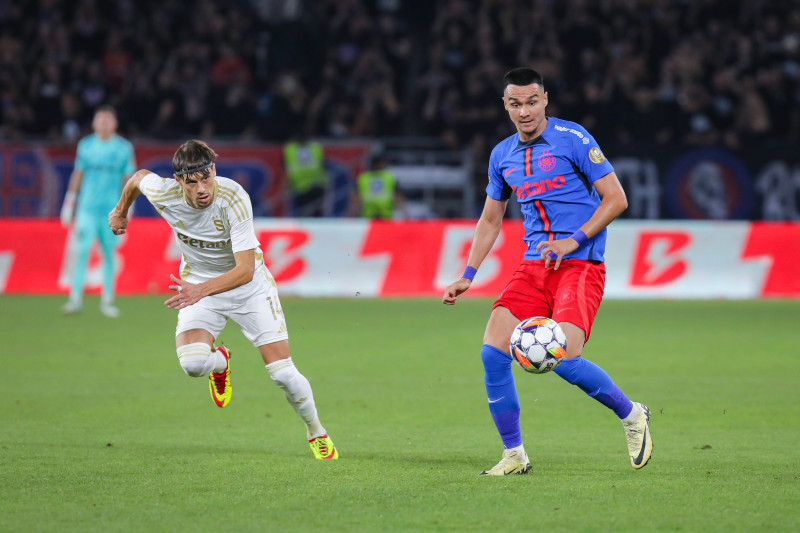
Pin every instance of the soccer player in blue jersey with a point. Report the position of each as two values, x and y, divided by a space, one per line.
103 162
568 193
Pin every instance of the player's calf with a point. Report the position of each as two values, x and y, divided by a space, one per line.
299 395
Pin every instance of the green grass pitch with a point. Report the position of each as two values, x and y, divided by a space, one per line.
102 431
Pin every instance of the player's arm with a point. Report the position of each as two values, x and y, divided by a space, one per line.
74 187
612 203
486 232
189 293
118 217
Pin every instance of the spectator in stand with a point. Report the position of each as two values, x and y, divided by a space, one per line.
308 181
376 190
359 62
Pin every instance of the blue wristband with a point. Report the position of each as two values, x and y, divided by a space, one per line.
469 273
579 237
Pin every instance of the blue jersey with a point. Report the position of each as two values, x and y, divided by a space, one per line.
104 164
552 178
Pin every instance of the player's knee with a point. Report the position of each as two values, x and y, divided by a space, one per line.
194 366
496 365
194 359
494 357
570 369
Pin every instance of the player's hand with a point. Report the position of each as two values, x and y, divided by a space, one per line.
68 209
117 222
556 249
454 290
188 293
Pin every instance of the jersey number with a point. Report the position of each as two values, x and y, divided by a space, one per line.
273 307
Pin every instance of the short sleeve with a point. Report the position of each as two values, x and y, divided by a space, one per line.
588 156
240 218
243 236
151 184
159 190
80 156
497 189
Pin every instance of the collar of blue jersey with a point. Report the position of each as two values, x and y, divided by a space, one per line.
537 140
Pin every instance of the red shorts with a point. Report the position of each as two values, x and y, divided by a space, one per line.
570 294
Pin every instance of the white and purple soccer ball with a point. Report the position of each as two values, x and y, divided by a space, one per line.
538 344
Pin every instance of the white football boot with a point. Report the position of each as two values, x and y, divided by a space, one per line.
640 445
109 310
514 461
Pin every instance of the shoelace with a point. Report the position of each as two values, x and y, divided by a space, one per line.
322 446
219 381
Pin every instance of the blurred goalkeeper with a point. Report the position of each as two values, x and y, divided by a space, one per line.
103 161
568 193
222 276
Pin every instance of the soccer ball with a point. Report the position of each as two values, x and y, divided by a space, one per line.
538 344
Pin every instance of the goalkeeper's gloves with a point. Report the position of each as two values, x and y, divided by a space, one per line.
68 209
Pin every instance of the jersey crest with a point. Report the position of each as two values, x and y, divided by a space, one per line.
547 161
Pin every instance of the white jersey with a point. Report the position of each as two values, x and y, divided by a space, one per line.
207 238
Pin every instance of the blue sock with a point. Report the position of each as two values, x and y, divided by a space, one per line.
594 381
503 400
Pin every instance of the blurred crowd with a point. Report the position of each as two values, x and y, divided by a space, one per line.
661 71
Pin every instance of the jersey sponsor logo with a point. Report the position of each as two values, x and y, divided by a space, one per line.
203 245
547 161
571 130
529 189
509 171
596 155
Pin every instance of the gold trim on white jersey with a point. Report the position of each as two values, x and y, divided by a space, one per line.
206 250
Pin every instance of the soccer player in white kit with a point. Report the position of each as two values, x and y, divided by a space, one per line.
222 276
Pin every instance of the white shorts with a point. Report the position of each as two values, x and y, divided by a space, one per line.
254 307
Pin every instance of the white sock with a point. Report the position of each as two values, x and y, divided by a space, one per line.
220 363
634 415
298 392
198 360
519 449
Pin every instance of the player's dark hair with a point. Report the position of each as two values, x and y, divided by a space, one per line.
523 76
106 108
193 156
